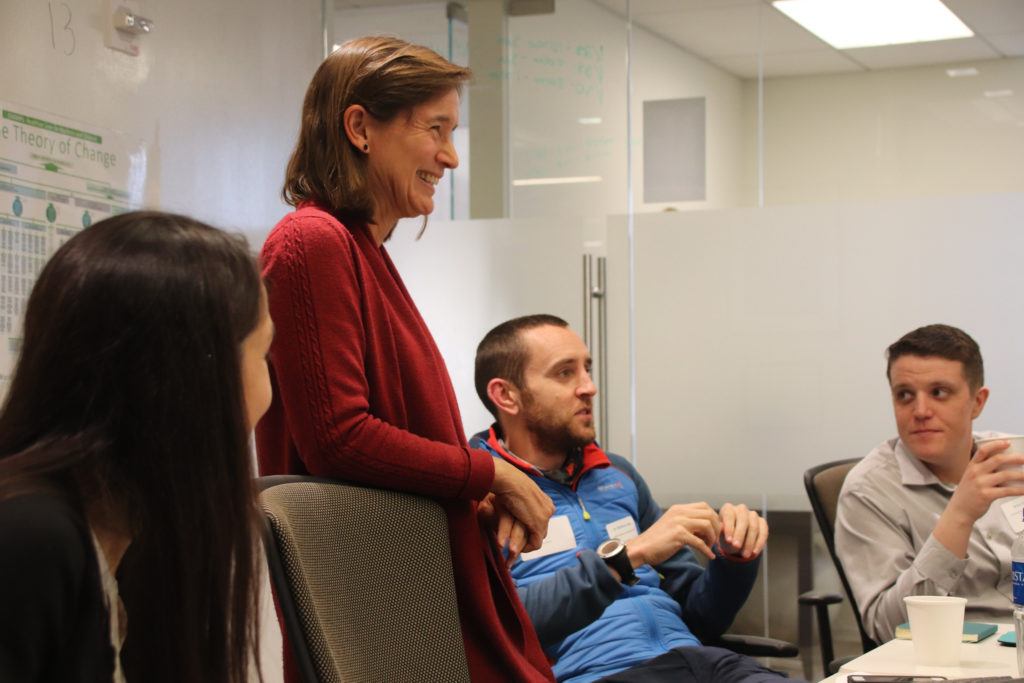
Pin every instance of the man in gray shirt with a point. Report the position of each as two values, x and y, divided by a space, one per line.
930 512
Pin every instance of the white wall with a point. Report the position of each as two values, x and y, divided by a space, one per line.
662 71
761 333
422 23
468 276
892 133
215 94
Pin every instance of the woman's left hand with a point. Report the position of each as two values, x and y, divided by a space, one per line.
520 497
510 534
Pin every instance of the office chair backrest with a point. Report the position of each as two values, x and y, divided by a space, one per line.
363 579
823 484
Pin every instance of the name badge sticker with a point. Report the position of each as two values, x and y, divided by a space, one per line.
622 529
1012 511
559 539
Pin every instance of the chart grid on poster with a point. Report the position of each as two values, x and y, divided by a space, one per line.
57 177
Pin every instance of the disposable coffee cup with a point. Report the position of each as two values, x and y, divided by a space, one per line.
1016 446
936 627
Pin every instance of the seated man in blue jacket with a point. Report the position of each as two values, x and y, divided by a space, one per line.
615 591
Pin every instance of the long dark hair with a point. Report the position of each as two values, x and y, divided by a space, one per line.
128 397
386 75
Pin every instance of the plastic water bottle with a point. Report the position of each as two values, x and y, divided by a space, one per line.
1017 569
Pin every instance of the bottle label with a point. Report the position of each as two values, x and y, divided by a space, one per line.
1018 582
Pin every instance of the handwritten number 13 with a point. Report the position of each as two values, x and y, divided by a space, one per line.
67 28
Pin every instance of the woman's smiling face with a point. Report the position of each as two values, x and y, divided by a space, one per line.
408 155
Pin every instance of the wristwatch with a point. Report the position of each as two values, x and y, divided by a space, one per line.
613 552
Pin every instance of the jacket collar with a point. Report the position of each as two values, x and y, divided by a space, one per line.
593 456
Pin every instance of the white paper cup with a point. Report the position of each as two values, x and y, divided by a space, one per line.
1016 446
936 627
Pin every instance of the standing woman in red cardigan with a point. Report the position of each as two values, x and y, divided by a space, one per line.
361 392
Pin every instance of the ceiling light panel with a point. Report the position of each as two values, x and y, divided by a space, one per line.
845 24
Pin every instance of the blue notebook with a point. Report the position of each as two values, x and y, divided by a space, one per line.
1008 638
973 631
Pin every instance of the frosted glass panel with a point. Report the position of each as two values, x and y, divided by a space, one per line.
761 332
468 276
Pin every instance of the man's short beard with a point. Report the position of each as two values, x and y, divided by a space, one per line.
556 438
552 436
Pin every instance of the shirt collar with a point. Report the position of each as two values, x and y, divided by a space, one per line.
913 472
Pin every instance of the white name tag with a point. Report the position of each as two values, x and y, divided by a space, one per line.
1012 511
622 529
559 539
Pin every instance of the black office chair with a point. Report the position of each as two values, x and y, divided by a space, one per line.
823 484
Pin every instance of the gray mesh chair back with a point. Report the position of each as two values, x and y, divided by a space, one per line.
363 580
823 484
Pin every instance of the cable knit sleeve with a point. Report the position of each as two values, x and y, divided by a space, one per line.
332 360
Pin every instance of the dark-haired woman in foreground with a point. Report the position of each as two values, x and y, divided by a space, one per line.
124 453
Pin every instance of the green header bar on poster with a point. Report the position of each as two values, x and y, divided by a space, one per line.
52 127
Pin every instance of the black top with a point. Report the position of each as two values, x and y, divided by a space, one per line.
53 621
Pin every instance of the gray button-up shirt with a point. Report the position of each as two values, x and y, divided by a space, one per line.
888 508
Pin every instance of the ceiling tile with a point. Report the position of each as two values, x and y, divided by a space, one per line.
1010 44
990 16
727 32
616 6
732 30
918 54
638 7
711 4
789 64
649 6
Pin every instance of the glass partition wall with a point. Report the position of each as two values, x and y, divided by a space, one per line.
772 210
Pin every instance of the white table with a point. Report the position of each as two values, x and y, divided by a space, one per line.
987 658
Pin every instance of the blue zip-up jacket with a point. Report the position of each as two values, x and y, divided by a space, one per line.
589 623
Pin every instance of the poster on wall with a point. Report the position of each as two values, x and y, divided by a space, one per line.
57 177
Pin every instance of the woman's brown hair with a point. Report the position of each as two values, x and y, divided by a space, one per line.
387 76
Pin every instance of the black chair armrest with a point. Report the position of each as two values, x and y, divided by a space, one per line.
819 598
756 646
820 601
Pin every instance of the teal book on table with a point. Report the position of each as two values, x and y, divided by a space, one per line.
973 631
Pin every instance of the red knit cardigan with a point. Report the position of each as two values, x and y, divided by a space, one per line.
361 393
